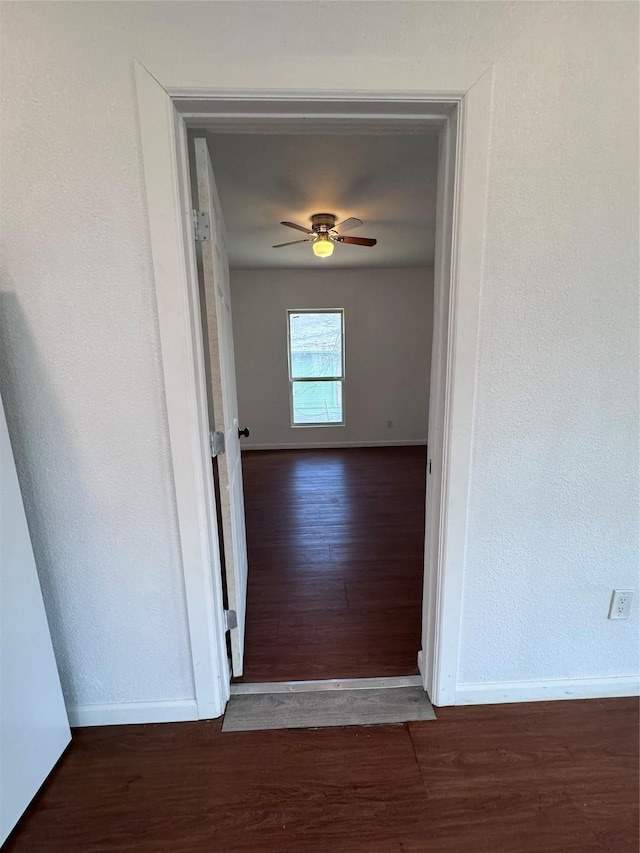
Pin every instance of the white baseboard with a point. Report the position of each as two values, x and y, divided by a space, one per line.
490 693
127 713
317 445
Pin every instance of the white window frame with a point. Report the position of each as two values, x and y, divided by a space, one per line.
292 379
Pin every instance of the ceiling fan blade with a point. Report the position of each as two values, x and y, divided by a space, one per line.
357 241
297 227
349 224
292 243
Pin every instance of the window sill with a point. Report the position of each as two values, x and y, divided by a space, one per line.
315 426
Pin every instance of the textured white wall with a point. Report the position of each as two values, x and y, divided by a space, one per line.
553 504
388 319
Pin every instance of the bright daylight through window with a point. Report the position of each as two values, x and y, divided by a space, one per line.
316 367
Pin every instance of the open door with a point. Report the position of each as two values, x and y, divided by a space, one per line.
223 398
34 729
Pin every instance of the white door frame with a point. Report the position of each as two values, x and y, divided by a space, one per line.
462 116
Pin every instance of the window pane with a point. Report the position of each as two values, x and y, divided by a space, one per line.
316 344
317 402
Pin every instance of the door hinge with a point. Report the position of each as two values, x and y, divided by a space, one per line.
230 620
201 226
216 443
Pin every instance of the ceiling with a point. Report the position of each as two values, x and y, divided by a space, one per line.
388 181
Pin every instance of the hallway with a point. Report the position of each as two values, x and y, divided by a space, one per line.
335 541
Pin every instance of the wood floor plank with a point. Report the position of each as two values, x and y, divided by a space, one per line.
531 778
332 789
300 592
335 547
508 822
582 757
355 624
284 662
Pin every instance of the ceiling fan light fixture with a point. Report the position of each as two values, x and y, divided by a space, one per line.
323 234
323 246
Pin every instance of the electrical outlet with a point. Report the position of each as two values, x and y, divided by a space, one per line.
621 600
390 424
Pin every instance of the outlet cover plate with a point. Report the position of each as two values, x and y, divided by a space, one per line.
621 601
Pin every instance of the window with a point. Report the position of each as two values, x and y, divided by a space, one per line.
316 367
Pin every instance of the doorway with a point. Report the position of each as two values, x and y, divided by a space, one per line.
332 363
462 114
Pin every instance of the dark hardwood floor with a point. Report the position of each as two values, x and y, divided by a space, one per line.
559 777
335 545
335 541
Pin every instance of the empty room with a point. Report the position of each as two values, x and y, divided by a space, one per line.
332 371
319 370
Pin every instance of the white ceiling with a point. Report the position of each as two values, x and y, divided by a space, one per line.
387 181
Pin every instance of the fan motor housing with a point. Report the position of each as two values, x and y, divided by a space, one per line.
323 222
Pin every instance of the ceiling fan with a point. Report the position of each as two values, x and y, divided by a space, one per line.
324 233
